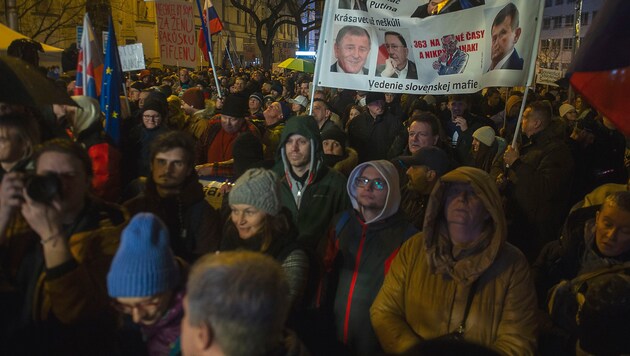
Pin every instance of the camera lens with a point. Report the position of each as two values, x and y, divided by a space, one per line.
43 188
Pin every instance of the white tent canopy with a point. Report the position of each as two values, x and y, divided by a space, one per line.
50 57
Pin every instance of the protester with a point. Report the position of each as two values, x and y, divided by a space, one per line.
460 124
366 238
298 105
20 135
323 115
193 104
174 194
306 180
486 148
337 154
237 304
423 169
258 223
147 283
539 175
215 144
373 132
461 254
153 113
59 263
86 126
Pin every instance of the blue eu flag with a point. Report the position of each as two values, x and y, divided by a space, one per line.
110 92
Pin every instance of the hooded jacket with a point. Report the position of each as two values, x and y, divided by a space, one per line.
365 250
315 201
425 292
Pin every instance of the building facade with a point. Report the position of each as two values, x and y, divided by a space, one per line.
135 22
557 36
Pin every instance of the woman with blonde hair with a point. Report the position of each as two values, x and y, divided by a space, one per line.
19 134
258 223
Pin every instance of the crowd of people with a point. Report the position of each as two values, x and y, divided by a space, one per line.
379 223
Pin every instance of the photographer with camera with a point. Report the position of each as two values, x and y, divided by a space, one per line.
58 265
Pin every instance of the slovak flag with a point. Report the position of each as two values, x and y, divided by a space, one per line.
89 63
214 24
600 70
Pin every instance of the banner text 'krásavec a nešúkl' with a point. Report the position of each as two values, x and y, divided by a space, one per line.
410 46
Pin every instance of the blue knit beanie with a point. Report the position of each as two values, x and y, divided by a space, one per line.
144 264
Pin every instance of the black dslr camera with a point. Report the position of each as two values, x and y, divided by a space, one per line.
43 188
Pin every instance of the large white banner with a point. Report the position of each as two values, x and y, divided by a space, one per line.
411 46
176 33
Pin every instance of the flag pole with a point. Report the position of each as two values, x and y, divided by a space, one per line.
532 68
323 34
227 49
208 44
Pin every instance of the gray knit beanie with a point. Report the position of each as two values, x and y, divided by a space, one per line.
259 188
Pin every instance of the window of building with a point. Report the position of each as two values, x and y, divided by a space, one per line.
546 23
559 2
567 43
142 10
584 18
544 45
557 21
238 17
594 14
548 3
555 43
569 20
570 1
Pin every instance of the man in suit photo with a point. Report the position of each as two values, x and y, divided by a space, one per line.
505 33
353 4
453 60
352 48
398 64
438 7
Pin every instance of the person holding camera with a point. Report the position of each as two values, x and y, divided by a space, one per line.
57 266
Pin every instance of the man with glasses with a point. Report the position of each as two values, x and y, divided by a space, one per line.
146 281
365 241
398 64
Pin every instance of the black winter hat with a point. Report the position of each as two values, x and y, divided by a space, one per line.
155 104
372 97
335 133
235 105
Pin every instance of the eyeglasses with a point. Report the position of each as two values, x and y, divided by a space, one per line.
377 183
142 306
394 47
151 117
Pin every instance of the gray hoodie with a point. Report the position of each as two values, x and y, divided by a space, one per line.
387 170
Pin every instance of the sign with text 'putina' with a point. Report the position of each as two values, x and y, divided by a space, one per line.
405 46
176 33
